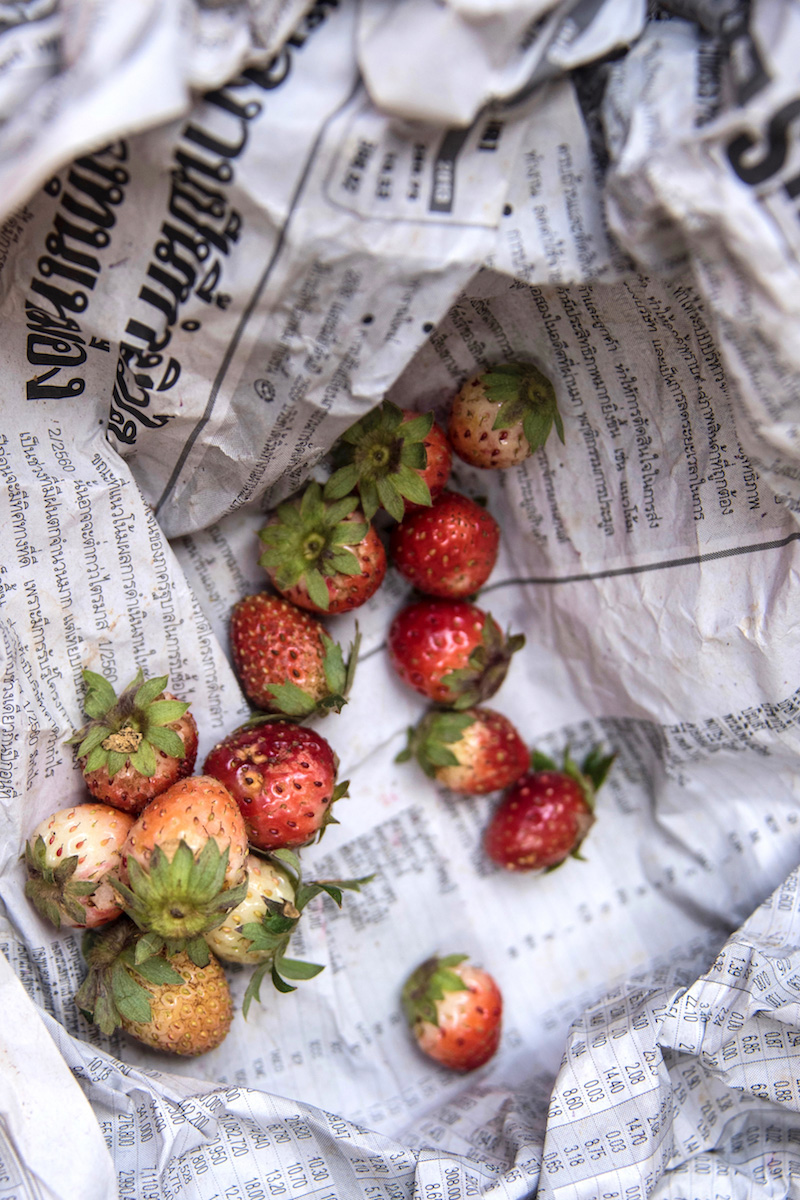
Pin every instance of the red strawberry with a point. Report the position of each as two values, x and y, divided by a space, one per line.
324 557
454 1011
183 865
136 745
283 777
451 651
285 659
394 458
68 857
448 549
501 417
471 752
546 815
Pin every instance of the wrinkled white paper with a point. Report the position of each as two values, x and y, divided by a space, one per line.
199 294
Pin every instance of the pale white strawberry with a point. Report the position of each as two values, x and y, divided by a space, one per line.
266 881
68 857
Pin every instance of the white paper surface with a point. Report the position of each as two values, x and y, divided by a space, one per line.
192 312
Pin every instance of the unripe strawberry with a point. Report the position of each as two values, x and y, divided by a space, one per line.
168 1002
68 857
499 418
267 883
183 864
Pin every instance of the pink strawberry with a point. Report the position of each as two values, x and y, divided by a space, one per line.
136 745
283 777
454 1011
548 812
68 857
451 651
501 417
448 549
394 458
324 557
286 661
470 752
183 864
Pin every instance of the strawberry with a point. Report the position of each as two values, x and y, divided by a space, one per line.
136 745
448 549
394 458
286 661
546 815
283 777
470 752
259 929
501 417
324 557
169 1003
183 865
454 1012
68 857
451 651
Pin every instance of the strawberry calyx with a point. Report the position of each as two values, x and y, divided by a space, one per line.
428 984
429 740
487 667
525 396
111 993
177 900
290 700
380 456
53 890
271 935
129 728
308 540
589 776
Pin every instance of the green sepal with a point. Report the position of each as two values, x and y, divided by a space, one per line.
143 760
487 667
294 968
271 935
292 700
428 984
53 890
341 482
430 740
525 396
111 991
181 898
129 728
379 457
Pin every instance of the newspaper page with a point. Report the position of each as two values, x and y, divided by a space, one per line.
192 315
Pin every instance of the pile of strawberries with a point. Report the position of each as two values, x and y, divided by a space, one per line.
170 872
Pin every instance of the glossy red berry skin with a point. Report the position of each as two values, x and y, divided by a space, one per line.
430 638
439 465
540 821
282 776
449 549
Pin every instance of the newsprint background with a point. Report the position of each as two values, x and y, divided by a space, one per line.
229 230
